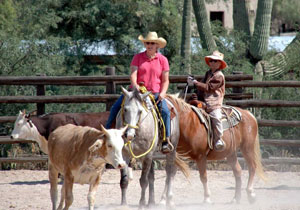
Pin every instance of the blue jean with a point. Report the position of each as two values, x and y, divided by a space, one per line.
162 106
114 110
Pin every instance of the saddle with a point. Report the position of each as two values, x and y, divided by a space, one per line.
230 118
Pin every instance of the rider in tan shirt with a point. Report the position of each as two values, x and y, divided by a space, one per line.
213 89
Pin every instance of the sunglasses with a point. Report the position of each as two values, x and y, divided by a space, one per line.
213 61
152 43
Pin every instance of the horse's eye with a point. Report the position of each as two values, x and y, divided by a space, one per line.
140 112
109 146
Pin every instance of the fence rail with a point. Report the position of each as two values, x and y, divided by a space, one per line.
238 97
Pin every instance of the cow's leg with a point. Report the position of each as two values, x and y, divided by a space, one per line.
151 185
53 174
124 184
237 171
144 182
92 191
62 197
201 163
68 182
171 170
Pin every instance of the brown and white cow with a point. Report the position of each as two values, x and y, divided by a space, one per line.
38 128
80 154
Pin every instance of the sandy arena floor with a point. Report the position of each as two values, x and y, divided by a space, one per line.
29 190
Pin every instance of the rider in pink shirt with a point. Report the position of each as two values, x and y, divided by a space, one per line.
152 70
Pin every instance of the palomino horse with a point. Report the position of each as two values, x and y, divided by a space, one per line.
142 136
193 143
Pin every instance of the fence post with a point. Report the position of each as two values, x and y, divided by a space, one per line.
40 91
110 86
237 89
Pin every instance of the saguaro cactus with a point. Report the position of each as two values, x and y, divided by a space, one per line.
186 36
240 16
260 38
281 62
203 26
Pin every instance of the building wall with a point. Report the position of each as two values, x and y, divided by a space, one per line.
226 7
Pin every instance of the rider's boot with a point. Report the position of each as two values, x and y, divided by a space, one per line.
220 145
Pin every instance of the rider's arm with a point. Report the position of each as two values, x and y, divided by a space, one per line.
164 84
133 76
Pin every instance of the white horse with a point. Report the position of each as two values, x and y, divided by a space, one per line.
142 139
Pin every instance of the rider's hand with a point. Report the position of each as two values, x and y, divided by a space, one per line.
161 97
137 87
191 81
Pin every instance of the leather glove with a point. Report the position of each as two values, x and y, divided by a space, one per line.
191 80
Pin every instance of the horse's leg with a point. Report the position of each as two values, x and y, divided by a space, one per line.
171 170
237 171
151 179
144 181
249 157
201 163
124 184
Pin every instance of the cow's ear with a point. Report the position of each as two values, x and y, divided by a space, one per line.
97 145
30 123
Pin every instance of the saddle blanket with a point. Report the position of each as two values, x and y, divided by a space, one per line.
230 118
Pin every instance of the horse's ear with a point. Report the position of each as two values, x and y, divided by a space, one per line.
125 92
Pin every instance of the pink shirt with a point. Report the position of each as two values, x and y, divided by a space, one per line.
150 70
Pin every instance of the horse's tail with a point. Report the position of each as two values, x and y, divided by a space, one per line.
257 159
182 165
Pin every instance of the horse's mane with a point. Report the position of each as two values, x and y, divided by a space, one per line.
179 102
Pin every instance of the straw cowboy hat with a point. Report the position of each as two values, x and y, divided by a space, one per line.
216 56
152 37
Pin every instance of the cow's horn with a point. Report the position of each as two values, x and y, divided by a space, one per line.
103 129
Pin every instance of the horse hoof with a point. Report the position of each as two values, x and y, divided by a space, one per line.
207 201
252 198
162 202
171 206
235 201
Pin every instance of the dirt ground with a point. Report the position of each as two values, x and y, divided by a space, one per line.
28 189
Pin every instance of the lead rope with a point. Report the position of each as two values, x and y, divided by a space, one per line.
136 127
144 90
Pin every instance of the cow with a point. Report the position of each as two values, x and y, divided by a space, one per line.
38 128
80 153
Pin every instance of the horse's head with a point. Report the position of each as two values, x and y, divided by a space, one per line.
132 110
23 127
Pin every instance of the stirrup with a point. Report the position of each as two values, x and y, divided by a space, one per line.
167 146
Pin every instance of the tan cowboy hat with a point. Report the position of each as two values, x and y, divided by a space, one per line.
152 37
216 55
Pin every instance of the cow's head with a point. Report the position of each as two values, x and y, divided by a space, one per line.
24 128
109 147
